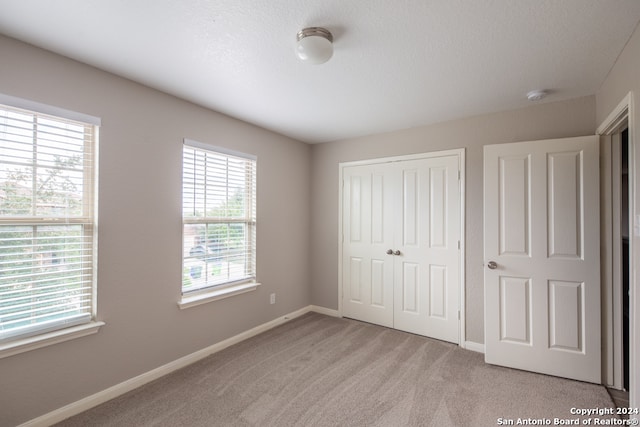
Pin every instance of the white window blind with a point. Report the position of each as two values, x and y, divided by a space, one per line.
219 217
46 222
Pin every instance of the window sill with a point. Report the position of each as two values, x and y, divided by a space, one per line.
50 338
216 294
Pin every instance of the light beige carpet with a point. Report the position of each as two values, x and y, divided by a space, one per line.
322 371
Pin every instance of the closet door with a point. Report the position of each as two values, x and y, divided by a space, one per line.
427 234
400 248
368 223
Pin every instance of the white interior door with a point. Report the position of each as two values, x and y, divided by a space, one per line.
541 229
367 228
400 253
426 271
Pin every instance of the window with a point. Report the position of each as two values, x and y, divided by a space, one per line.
47 223
219 218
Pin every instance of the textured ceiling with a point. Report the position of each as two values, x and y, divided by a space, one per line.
397 64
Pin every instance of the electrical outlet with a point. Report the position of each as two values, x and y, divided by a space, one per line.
272 299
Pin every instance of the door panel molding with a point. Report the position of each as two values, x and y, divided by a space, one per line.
515 309
514 200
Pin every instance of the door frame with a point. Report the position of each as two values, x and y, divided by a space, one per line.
460 153
621 116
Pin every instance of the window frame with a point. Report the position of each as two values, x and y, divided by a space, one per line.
217 291
89 325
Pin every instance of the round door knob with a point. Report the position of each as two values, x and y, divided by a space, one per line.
492 265
397 252
389 252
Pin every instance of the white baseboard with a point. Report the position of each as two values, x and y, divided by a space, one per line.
323 310
474 346
135 382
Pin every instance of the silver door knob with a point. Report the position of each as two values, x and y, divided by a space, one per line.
397 252
492 265
389 252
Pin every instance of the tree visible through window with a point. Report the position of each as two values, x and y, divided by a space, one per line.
219 217
46 222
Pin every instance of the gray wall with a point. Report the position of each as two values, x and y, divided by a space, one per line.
139 253
551 120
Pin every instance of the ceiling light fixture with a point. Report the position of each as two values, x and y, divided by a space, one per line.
536 95
315 45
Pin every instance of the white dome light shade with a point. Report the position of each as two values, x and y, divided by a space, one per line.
536 95
315 45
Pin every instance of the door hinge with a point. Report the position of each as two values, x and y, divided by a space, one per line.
458 244
459 175
458 314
